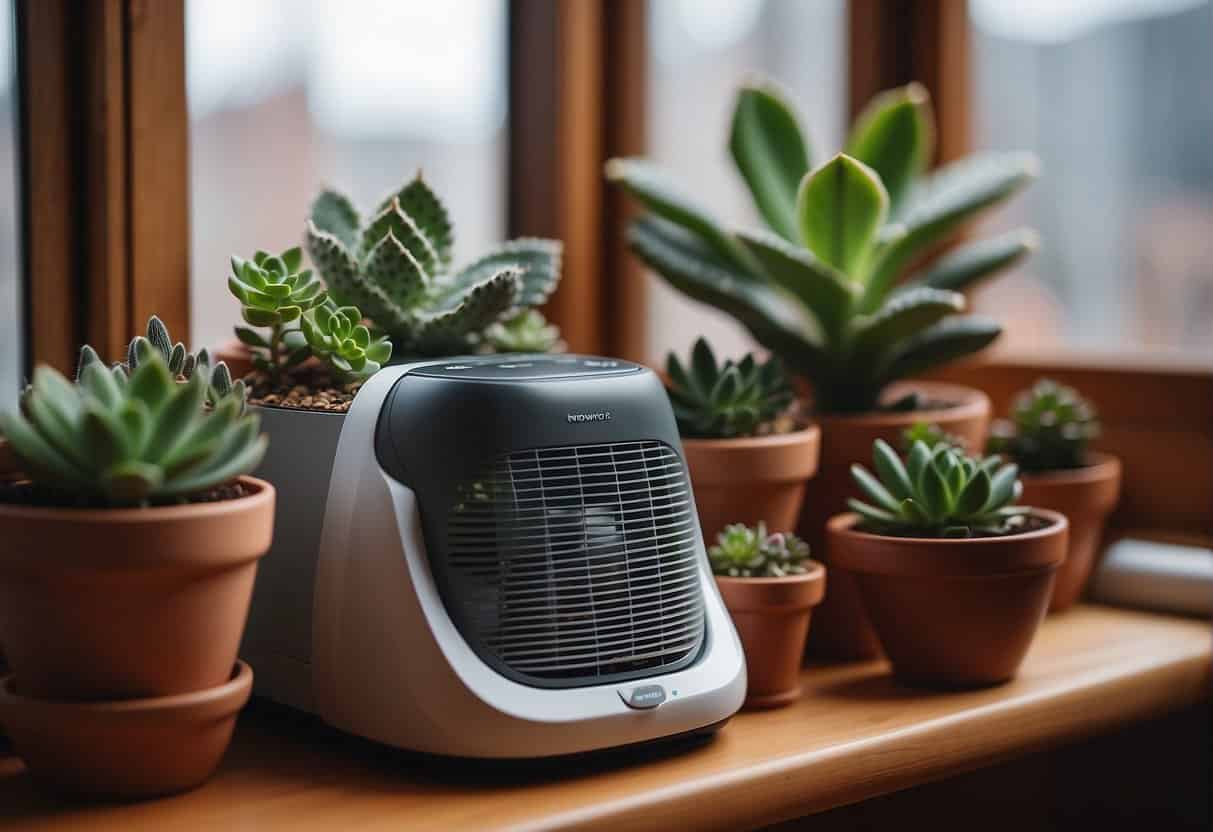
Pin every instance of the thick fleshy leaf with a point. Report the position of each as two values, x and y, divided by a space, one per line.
344 279
932 487
947 340
486 303
334 213
904 316
653 187
539 260
953 194
251 337
691 266
703 367
37 455
394 269
393 220
891 471
873 488
975 494
918 458
973 262
1002 487
99 383
876 515
839 207
823 290
895 136
771 153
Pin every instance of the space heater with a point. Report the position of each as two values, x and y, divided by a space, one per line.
510 565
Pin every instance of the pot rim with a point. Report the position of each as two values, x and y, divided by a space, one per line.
817 572
217 509
802 436
1100 468
219 696
945 557
971 402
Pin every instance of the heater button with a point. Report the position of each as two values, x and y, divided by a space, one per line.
643 697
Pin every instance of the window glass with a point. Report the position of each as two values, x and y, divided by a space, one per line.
701 52
1116 97
12 348
287 97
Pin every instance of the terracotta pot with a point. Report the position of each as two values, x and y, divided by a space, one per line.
105 604
841 630
1086 496
772 619
751 479
236 355
953 612
127 749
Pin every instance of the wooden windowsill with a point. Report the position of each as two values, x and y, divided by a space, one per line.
854 735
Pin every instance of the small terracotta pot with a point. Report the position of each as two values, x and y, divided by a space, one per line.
236 355
772 619
1086 496
106 604
127 749
953 612
752 478
841 630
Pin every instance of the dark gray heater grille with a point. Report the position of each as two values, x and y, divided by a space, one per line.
578 565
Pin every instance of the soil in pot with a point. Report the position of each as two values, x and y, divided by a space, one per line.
841 629
953 612
309 386
751 479
771 616
1086 496
130 749
108 604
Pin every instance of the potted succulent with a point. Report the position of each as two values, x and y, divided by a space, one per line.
1048 435
749 457
770 588
383 288
127 561
955 576
826 288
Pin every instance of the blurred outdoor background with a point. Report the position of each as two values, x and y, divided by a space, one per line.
1116 97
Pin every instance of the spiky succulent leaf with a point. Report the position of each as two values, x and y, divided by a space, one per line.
940 493
895 136
394 269
394 221
112 441
1051 427
823 290
905 315
742 551
539 260
454 329
334 213
425 208
949 339
343 273
723 400
771 153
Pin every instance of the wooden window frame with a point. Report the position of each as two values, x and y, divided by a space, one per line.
106 206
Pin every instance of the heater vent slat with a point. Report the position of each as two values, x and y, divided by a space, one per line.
578 565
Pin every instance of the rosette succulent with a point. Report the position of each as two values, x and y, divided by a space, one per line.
743 551
826 286
339 338
1050 428
526 332
122 440
396 267
937 493
720 401
274 293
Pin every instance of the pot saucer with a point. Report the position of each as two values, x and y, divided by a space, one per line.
127 749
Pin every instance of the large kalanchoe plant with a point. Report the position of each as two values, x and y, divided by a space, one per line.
823 287
122 440
742 551
938 493
396 268
1050 428
721 401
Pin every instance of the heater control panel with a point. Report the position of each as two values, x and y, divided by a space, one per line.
527 368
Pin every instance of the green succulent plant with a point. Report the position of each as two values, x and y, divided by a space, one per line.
1050 428
339 338
823 287
938 493
274 293
742 551
396 268
180 363
931 435
528 331
125 441
720 401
